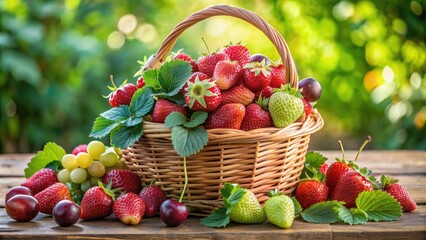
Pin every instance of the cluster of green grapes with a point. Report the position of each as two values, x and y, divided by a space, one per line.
87 168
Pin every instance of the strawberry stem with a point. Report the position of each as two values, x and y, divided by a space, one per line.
341 147
112 81
367 140
205 44
186 179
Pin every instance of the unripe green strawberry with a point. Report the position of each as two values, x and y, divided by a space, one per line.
285 106
279 209
247 210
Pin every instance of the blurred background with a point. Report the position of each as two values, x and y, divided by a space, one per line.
56 58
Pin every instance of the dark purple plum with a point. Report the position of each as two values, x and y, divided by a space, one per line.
259 58
173 213
66 213
22 208
311 89
18 190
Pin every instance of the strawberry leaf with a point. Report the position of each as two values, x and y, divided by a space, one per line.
197 119
51 152
226 190
142 102
297 207
117 114
219 218
313 160
379 206
150 77
188 141
102 127
172 76
174 119
123 136
352 216
323 212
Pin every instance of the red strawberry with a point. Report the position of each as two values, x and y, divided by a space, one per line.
121 95
202 95
97 202
307 106
185 57
323 169
256 117
349 186
40 180
226 74
265 93
391 186
227 116
127 180
277 75
237 94
129 208
257 76
49 197
200 75
141 82
311 191
206 64
163 108
153 197
80 148
238 53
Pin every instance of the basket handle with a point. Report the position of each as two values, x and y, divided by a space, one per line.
274 36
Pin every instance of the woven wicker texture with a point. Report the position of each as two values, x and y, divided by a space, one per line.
260 159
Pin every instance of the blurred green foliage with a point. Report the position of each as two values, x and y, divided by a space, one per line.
56 58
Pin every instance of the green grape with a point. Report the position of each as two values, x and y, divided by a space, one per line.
64 176
95 149
86 185
108 158
119 152
94 181
96 169
78 175
84 160
69 161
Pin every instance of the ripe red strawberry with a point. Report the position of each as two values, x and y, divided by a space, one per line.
80 148
41 180
121 95
127 180
141 82
202 95
237 94
227 116
256 117
97 202
163 108
391 186
311 191
206 64
257 76
307 107
185 57
226 74
323 169
238 53
153 197
265 93
277 75
200 75
49 197
349 186
129 208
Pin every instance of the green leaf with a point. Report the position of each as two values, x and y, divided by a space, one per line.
323 212
56 166
219 218
132 121
117 114
174 119
50 153
352 216
142 102
150 77
173 75
313 160
102 127
226 190
379 206
123 136
297 207
197 119
187 142
236 196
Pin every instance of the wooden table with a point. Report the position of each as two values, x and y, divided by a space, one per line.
408 166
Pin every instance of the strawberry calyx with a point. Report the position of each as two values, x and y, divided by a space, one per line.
113 87
198 90
274 193
142 64
113 193
263 102
289 90
314 175
258 67
387 181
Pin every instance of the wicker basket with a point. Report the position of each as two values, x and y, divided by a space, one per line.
260 159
